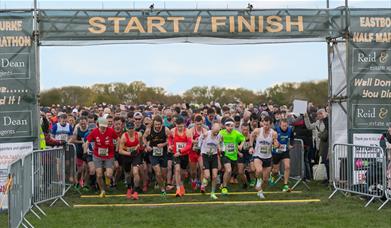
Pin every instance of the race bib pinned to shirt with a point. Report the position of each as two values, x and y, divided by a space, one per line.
180 146
265 149
157 151
62 137
282 148
229 148
104 152
211 149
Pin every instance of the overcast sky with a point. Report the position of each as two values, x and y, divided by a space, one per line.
178 67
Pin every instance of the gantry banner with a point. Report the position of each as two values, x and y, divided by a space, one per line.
82 25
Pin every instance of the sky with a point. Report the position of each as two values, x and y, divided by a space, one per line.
178 67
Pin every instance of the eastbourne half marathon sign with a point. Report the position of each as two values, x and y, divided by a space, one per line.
18 87
159 24
370 70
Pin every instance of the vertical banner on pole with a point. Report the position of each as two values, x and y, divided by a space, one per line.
369 72
18 88
369 85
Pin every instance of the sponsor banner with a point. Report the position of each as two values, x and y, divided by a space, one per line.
363 157
160 24
369 71
18 83
10 152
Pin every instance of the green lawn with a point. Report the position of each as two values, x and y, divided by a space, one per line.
340 211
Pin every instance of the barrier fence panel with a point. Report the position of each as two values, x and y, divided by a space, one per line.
388 179
359 170
15 194
48 175
27 184
297 167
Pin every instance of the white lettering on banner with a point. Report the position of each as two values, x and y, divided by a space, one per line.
5 62
370 58
370 113
8 121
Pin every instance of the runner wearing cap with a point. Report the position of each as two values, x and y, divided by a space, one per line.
265 138
180 143
286 141
130 155
231 139
209 143
103 155
155 139
194 155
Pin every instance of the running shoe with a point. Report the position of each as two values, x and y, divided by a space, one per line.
260 194
286 188
135 196
129 193
213 196
102 194
224 191
178 192
163 194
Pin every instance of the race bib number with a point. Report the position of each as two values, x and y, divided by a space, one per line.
103 151
157 151
180 146
282 148
62 137
211 149
245 146
230 148
132 150
264 149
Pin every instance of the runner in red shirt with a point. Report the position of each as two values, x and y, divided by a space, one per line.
130 155
103 154
194 155
180 143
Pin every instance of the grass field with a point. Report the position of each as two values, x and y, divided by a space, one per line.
239 209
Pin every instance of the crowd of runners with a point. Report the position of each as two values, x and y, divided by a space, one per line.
162 147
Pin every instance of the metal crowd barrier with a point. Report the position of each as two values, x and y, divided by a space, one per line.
359 170
297 173
36 178
15 194
388 179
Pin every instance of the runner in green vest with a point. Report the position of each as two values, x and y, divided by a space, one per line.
231 139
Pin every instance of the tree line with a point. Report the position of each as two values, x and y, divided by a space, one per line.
138 92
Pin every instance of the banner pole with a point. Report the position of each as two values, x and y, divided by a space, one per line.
37 70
